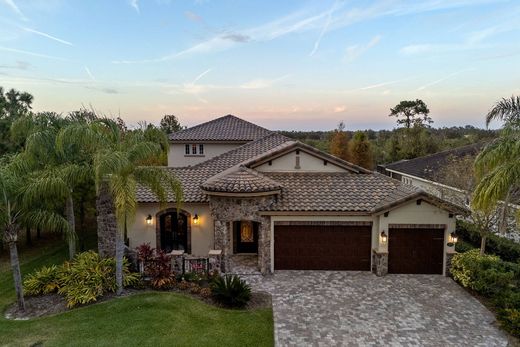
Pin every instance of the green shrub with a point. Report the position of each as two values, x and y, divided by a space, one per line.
82 280
506 249
486 274
43 281
462 246
510 320
231 291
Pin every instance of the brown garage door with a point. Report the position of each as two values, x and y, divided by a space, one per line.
415 251
306 247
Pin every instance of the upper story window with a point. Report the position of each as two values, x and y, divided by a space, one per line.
194 149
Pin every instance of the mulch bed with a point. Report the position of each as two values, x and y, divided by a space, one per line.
51 304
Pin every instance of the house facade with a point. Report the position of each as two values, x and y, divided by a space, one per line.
253 193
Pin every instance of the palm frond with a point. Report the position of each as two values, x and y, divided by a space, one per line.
506 109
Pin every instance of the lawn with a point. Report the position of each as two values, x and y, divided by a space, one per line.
152 318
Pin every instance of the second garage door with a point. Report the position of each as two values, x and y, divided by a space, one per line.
415 251
309 247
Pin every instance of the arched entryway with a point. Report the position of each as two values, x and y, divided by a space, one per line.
173 230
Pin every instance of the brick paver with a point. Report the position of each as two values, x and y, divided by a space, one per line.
327 308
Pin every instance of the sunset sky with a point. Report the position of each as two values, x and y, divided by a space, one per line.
294 65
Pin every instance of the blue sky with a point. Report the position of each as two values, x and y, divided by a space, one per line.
282 64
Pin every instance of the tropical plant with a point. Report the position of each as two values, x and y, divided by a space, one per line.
55 173
498 165
13 104
15 211
82 280
231 291
116 157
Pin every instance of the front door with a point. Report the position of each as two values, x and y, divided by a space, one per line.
174 232
246 237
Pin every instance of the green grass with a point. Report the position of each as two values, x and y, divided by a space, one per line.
147 319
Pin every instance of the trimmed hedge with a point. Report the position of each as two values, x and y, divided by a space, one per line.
507 250
492 278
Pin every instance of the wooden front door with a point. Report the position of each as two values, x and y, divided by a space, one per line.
415 251
246 236
310 247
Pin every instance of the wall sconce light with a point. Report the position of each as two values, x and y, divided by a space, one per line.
384 237
452 239
196 219
149 219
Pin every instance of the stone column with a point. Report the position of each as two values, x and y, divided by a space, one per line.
379 263
449 257
264 246
223 242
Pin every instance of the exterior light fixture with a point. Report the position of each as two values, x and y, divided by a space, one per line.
149 219
384 237
452 239
196 219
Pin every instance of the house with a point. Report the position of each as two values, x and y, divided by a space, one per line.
255 194
427 172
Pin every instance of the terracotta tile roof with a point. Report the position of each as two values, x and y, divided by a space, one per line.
227 128
335 191
191 178
243 180
428 166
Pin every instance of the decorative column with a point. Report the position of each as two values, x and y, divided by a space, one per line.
264 246
379 263
449 258
223 242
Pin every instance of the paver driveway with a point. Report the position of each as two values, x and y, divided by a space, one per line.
327 308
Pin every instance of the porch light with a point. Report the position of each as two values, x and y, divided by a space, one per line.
149 219
196 219
384 237
453 238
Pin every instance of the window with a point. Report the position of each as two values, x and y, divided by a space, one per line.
193 149
201 149
186 149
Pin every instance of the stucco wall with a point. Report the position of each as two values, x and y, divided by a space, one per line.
308 162
411 213
178 158
201 234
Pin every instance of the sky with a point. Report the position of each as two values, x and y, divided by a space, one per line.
285 65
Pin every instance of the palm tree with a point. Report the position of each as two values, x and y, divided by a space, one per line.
498 165
14 211
55 174
117 156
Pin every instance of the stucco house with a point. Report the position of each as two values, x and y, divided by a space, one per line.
255 194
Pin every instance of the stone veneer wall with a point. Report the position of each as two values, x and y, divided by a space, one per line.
106 222
379 263
226 210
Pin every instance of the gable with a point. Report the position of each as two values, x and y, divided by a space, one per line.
298 161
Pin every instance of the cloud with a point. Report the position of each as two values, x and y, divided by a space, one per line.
34 54
427 85
11 4
240 38
200 76
339 109
135 5
87 70
262 83
307 20
383 84
355 51
54 38
20 65
323 30
192 16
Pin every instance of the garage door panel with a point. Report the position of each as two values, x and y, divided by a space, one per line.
416 251
322 247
